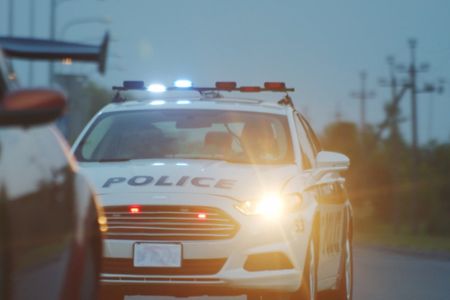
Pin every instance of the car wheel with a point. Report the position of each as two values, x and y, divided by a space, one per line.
345 288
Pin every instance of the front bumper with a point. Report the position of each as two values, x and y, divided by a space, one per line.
216 266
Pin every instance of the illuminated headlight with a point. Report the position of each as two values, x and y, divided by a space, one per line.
271 205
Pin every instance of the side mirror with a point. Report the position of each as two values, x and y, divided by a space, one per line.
332 160
31 107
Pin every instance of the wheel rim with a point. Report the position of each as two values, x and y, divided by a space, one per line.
348 270
312 272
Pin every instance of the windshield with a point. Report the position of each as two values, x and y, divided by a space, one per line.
235 136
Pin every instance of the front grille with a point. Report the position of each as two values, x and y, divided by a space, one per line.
156 223
188 267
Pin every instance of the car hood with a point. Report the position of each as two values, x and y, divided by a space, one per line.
213 177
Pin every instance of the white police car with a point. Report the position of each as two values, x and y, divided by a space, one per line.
212 196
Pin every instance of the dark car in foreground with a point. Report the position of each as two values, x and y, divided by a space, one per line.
50 223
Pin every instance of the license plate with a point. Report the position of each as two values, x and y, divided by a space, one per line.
157 255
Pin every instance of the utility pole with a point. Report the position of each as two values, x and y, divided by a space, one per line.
413 70
391 120
31 29
362 96
415 152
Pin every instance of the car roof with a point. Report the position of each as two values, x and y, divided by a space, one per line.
225 103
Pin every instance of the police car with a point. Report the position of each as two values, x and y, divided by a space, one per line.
217 196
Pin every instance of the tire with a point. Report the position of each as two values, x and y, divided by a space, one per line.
345 284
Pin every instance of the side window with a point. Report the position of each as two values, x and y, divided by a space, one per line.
308 153
312 136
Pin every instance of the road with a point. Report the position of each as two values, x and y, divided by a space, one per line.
383 275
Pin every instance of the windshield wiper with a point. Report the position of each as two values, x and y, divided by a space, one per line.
113 159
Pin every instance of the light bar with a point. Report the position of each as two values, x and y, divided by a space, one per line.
186 85
156 88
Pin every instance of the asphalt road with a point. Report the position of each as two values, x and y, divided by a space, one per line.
383 275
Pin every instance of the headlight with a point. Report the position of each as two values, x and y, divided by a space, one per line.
271 205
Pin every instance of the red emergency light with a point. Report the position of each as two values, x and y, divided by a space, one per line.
275 86
134 209
201 216
226 85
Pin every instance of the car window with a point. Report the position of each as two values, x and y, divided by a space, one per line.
246 137
307 150
96 136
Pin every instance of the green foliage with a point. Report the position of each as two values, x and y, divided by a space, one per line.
98 97
86 98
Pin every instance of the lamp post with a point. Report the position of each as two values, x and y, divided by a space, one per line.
52 31
11 18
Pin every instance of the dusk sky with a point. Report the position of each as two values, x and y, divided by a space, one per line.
318 47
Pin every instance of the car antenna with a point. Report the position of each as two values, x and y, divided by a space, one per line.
286 100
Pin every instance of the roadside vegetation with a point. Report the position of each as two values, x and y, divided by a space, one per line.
379 184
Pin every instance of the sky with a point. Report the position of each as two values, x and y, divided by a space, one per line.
319 47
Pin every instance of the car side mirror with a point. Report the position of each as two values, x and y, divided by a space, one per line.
28 107
332 161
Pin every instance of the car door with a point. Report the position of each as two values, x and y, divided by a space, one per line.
331 202
39 210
